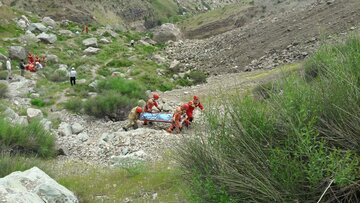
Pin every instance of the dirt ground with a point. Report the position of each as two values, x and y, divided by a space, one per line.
232 51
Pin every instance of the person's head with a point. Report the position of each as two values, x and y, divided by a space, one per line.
72 68
156 96
196 100
139 109
184 107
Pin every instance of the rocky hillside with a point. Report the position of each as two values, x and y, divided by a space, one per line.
275 39
135 14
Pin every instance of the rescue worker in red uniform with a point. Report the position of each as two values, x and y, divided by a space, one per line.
176 119
150 104
189 112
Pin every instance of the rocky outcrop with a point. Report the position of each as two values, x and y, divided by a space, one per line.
33 186
37 27
91 50
167 32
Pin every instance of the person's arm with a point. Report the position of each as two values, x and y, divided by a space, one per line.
157 106
201 106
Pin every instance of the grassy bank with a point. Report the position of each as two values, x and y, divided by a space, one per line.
290 143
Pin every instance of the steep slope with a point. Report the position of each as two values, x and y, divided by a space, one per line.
138 14
279 37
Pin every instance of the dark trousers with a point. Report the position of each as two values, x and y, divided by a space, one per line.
72 81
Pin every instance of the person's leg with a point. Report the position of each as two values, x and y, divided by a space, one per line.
74 81
71 81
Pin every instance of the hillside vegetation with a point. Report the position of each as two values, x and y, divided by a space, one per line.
298 141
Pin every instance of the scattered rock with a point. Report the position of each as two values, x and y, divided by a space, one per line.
52 58
65 129
104 40
17 52
67 33
77 128
48 21
33 185
47 38
90 42
37 27
34 114
91 51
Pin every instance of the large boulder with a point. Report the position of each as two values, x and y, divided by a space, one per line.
90 42
33 186
91 51
28 38
48 21
47 38
52 58
17 52
167 32
37 27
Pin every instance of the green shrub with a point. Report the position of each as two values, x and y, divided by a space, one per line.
130 88
3 90
74 105
3 75
119 63
11 163
289 146
37 102
198 77
30 139
57 76
110 105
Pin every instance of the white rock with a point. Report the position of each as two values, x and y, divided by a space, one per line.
90 42
91 50
77 128
34 114
33 186
49 21
65 129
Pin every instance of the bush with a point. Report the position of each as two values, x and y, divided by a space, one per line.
198 77
30 139
3 75
10 163
289 146
57 76
119 63
110 105
130 88
3 90
74 105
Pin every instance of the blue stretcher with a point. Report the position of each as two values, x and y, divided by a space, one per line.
156 117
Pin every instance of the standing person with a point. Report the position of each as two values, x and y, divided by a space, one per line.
176 119
150 104
189 112
72 75
8 68
133 117
22 67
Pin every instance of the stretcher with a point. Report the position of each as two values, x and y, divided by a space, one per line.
156 117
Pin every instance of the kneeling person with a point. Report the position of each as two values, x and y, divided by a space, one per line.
133 117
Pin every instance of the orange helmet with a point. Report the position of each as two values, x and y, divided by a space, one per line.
139 109
156 96
185 106
196 98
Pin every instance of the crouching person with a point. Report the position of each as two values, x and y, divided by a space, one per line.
133 117
176 119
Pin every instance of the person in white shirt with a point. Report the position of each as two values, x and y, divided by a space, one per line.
72 75
8 67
